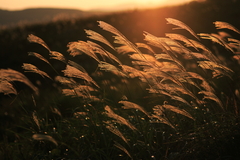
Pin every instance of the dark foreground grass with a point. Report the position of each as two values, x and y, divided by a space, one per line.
168 98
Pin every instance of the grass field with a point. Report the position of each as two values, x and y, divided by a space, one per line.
165 97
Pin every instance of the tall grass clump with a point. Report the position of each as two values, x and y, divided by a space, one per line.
168 98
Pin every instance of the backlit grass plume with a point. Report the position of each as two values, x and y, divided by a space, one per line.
8 76
181 25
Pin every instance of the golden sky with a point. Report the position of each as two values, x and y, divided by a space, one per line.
80 4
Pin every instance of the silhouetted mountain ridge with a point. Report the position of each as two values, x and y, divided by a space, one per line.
36 15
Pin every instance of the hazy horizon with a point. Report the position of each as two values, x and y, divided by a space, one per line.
15 5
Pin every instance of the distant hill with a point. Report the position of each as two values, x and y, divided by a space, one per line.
39 15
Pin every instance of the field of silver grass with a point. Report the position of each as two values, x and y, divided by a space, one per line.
168 98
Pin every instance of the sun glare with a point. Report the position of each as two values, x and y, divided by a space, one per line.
152 1
83 4
160 2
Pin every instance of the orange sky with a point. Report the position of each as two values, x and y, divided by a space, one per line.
80 4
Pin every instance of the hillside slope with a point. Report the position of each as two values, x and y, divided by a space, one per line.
37 15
